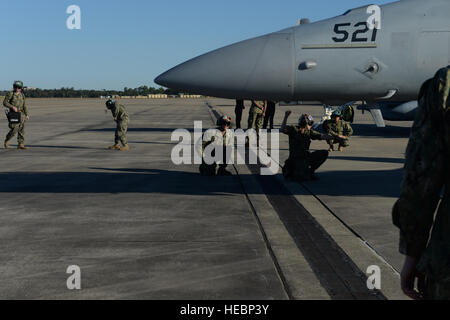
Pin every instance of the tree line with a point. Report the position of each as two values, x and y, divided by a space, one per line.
82 93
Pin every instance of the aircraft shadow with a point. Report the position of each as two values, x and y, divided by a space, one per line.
119 181
370 130
369 159
131 180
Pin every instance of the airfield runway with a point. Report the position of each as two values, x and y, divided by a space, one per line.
140 227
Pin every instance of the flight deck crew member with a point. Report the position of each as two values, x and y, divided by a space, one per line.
222 136
122 119
238 111
340 131
426 184
256 115
302 163
270 114
15 102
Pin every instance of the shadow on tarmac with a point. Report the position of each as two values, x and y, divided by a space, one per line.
370 130
140 130
336 183
385 183
118 181
369 159
59 147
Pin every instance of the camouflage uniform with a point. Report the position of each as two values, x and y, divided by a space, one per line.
122 119
16 100
426 177
302 163
341 128
215 137
255 117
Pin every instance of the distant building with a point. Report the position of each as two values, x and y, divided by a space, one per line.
190 96
157 96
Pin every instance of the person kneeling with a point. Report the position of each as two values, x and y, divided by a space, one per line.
223 137
339 130
302 163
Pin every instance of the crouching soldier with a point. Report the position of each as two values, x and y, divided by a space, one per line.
17 115
221 137
122 119
339 130
302 163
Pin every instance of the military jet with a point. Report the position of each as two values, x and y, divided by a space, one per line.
346 58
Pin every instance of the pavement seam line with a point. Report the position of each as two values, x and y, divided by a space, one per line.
258 221
343 252
341 221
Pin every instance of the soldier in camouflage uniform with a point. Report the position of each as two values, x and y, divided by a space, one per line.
223 137
122 119
339 130
15 102
426 178
256 115
302 163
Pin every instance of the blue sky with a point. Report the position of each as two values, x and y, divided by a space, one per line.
128 43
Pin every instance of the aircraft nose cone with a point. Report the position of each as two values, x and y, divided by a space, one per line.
253 69
164 79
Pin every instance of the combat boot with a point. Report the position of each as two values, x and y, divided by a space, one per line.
125 148
22 147
114 147
341 148
331 148
6 144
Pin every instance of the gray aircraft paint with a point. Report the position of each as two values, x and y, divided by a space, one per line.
305 63
393 111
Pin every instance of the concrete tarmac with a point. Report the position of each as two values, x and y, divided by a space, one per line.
361 184
140 227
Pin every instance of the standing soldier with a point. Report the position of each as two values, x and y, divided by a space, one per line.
427 179
256 115
121 117
238 111
270 114
339 130
15 102
302 163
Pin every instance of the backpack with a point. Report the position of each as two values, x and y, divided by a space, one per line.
13 117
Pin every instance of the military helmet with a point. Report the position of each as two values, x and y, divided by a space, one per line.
225 120
305 119
18 84
110 103
337 114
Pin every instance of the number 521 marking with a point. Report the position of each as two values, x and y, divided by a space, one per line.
343 35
